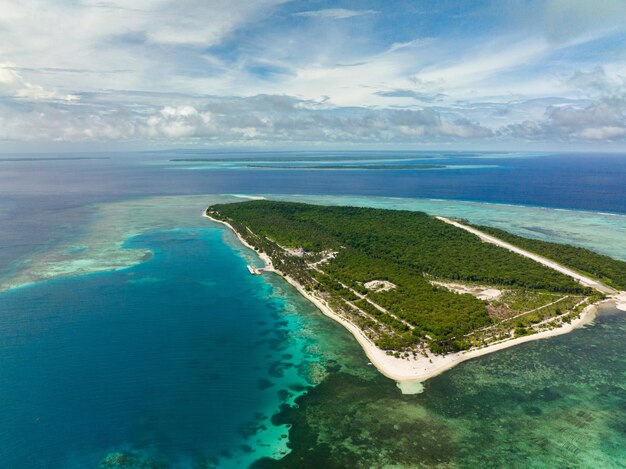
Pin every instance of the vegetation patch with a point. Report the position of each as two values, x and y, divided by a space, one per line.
344 248
604 268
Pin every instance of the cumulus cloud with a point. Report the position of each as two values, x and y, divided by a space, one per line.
603 133
604 120
279 119
229 71
261 119
177 122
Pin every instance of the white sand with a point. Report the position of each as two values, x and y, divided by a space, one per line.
379 285
490 294
411 371
479 291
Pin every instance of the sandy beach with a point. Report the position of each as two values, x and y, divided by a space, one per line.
409 372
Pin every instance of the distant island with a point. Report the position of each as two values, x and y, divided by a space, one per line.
54 158
352 166
278 163
276 157
423 293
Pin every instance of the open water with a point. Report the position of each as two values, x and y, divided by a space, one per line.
149 345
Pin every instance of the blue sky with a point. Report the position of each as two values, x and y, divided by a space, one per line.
500 74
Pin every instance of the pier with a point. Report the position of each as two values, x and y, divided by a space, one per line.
257 271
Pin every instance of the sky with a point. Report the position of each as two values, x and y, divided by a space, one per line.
420 74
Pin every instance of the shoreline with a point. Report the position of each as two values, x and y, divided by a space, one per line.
410 373
264 257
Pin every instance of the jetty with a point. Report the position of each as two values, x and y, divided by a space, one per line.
258 270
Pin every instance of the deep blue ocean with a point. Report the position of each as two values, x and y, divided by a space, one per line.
183 360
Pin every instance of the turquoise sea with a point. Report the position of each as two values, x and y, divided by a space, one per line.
149 345
182 356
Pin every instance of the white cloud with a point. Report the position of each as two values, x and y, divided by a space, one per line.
13 84
219 70
177 122
603 133
199 22
465 72
596 82
335 13
262 119
148 41
603 120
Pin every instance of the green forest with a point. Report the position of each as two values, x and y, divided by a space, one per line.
405 248
604 268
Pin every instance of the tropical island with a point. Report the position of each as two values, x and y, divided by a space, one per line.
422 293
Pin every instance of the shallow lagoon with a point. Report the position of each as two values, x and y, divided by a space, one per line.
550 403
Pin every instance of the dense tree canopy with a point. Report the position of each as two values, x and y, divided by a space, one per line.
402 247
604 268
